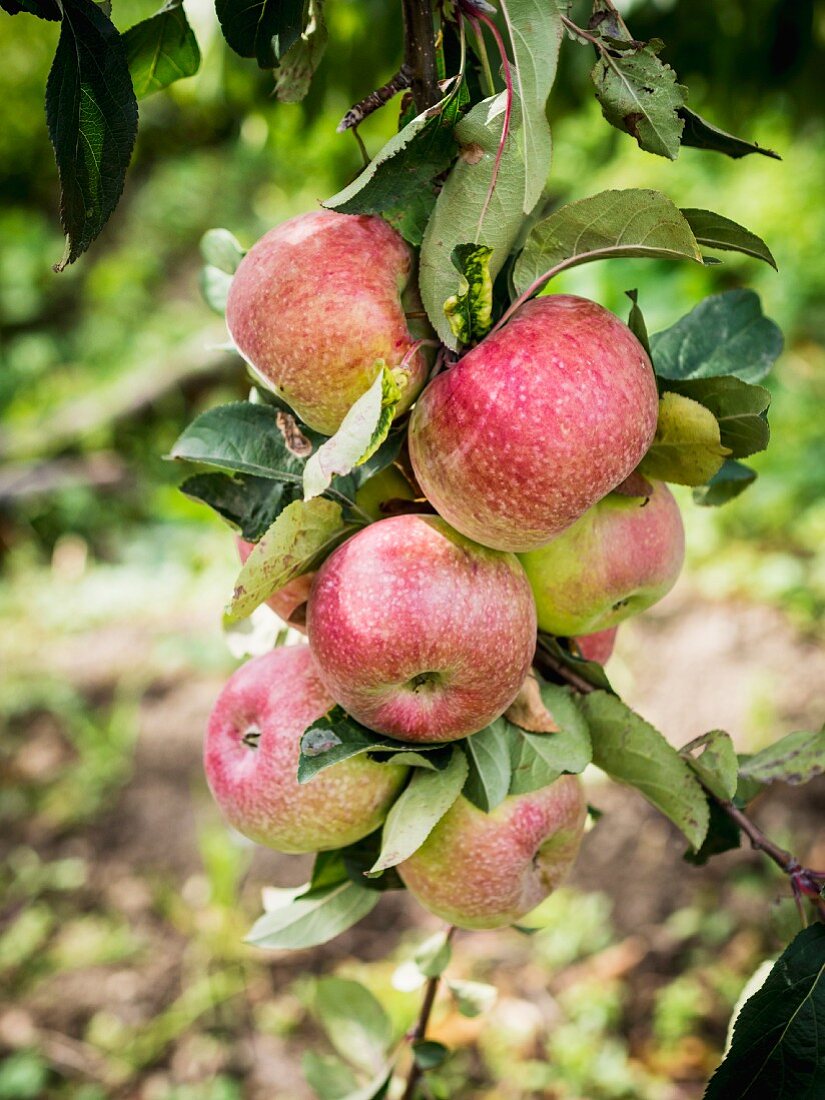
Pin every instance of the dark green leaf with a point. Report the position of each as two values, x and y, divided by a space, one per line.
336 736
701 134
398 181
251 504
591 671
732 479
161 49
638 93
714 231
725 334
488 754
631 751
313 918
636 321
740 409
428 1053
43 9
716 764
723 835
795 758
357 859
263 29
91 112
778 1047
630 223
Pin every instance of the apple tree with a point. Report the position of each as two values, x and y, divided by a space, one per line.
454 482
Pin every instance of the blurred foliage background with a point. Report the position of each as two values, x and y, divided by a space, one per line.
120 941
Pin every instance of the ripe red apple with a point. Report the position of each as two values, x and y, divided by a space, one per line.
535 424
419 632
289 602
316 303
599 646
251 760
620 557
479 870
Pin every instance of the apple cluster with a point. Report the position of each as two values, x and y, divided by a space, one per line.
516 508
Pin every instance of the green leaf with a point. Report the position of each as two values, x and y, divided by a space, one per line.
490 770
635 222
714 231
687 447
221 249
540 758
777 1051
725 334
43 9
733 478
740 409
638 93
263 29
314 918
92 116
250 504
214 286
398 181
303 57
591 671
428 1053
433 956
631 751
418 810
354 1021
362 431
327 1076
795 758
717 765
462 213
473 998
535 31
161 49
701 134
470 311
636 321
301 537
723 835
336 736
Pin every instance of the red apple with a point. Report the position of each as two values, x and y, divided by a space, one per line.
251 760
620 557
316 303
419 632
485 870
535 424
599 646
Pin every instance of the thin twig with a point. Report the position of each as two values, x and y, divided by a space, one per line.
419 1029
365 107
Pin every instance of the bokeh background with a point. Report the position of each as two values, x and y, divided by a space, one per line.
123 899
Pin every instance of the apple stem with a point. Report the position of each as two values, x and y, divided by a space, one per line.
419 1029
804 881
